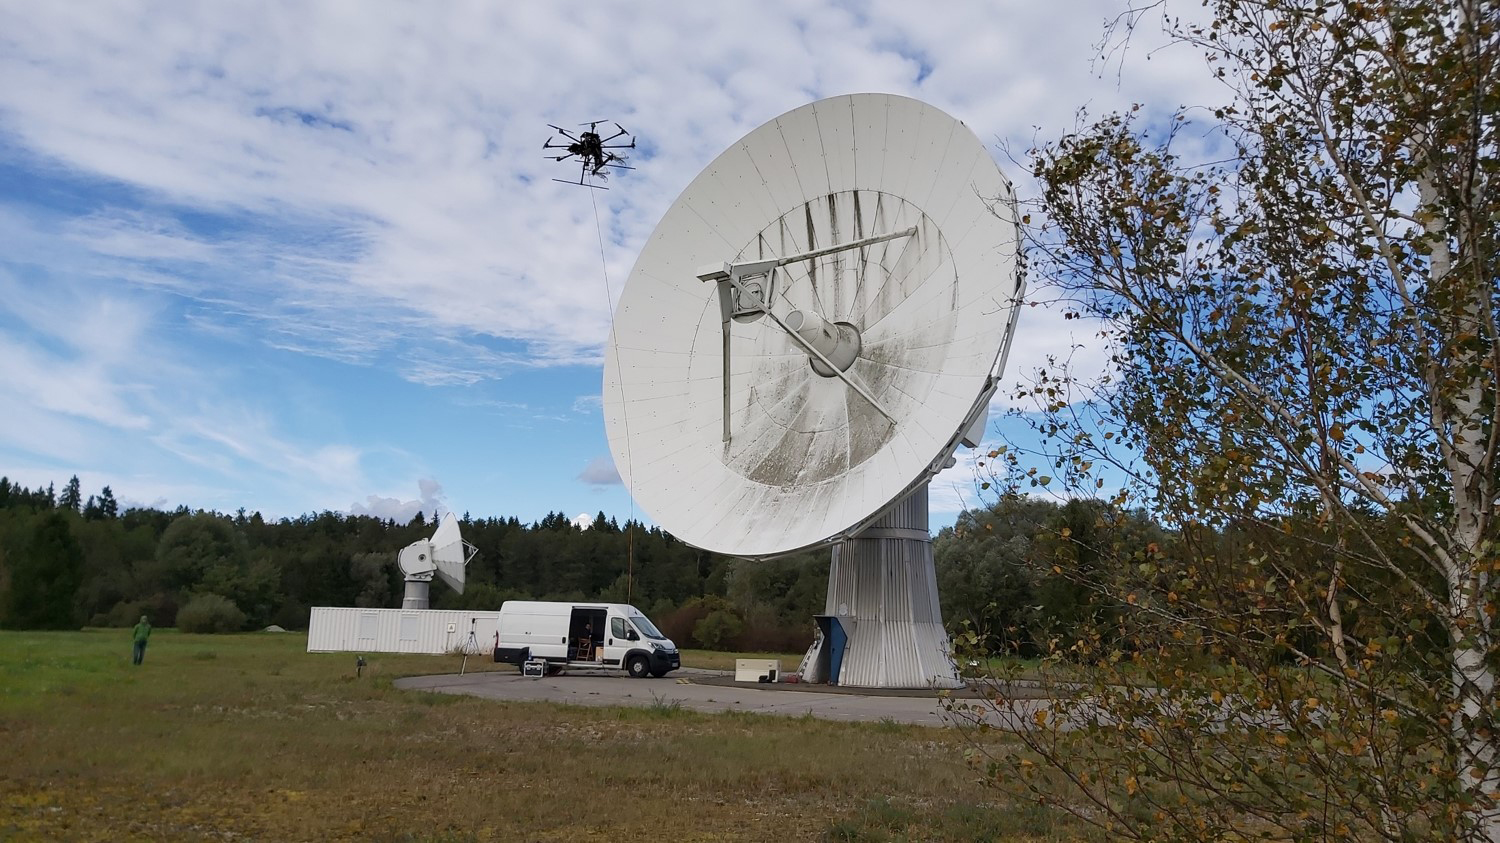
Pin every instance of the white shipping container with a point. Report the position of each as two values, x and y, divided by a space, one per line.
334 629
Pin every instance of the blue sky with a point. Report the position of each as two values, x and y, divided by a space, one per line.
297 257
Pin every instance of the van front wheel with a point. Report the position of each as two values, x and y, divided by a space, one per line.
638 667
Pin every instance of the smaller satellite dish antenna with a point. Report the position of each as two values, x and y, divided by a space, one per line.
445 556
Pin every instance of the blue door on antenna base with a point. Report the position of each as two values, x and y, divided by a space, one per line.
837 640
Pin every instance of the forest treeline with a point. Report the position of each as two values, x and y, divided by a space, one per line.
68 560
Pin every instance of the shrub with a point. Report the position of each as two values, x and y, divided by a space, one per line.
759 637
718 630
208 612
292 616
681 625
125 614
160 609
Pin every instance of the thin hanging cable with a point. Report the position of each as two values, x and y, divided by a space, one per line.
609 300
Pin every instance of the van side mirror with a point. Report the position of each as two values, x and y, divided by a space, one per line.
631 636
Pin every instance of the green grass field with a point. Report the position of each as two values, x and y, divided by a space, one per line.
248 737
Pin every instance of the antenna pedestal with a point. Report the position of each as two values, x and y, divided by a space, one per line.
884 626
416 594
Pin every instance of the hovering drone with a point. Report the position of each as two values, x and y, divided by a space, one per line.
591 151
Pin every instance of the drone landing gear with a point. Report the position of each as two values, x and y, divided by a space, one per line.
581 183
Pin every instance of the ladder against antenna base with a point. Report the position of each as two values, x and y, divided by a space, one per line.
809 333
446 556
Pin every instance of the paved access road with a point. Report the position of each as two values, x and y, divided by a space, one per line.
711 691
586 688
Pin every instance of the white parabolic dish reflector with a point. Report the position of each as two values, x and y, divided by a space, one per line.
451 553
795 458
445 555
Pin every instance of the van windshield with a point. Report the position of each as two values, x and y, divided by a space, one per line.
646 628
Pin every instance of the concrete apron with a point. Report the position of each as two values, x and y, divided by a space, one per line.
707 692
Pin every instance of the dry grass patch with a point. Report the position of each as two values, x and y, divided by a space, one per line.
247 737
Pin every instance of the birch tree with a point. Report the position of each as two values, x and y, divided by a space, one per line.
1303 390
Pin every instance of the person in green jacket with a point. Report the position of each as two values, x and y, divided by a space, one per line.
141 632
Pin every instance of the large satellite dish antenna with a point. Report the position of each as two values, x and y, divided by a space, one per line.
813 328
446 555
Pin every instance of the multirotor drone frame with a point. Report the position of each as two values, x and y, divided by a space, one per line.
593 152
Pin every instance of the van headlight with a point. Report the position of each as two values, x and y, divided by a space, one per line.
657 647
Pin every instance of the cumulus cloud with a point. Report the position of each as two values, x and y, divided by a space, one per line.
429 501
600 472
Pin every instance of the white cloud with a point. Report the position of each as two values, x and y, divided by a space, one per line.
1046 340
600 471
583 521
956 488
431 499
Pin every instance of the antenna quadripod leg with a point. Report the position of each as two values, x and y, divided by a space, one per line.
882 626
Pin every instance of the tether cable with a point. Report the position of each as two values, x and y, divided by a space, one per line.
609 301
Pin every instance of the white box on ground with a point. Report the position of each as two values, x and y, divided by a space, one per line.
751 670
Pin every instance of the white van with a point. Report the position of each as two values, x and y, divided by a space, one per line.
607 635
